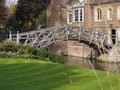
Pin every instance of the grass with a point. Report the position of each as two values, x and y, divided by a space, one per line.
24 74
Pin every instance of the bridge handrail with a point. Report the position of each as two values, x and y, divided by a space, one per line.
45 30
52 34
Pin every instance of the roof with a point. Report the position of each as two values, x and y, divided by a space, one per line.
62 3
104 1
65 3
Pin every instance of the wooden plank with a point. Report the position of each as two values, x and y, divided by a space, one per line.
91 37
38 38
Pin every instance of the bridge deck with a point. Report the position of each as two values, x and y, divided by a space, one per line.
44 37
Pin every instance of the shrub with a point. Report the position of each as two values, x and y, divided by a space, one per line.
11 50
59 59
3 55
51 56
20 46
25 56
7 46
42 54
22 50
32 50
55 58
1 49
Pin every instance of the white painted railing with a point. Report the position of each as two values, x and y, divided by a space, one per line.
44 37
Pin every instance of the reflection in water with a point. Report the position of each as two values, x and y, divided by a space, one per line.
84 63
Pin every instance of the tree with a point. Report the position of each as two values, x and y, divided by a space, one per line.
11 22
2 11
11 10
2 20
41 20
28 10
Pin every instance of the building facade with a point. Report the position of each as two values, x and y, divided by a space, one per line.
96 14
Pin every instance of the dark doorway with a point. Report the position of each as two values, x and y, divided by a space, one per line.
113 33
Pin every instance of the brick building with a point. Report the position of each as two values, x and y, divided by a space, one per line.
97 14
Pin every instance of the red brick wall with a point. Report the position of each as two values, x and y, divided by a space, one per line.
73 48
53 13
105 22
56 16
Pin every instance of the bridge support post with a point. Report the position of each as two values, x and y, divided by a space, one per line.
80 33
91 38
116 38
10 36
18 37
53 36
66 29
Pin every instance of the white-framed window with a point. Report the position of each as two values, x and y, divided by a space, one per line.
109 14
78 15
69 17
81 15
98 14
118 13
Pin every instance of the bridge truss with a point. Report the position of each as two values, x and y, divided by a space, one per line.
97 39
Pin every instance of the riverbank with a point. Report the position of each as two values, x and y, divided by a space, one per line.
92 63
26 74
77 49
113 55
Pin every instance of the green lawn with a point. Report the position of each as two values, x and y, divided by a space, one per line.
23 74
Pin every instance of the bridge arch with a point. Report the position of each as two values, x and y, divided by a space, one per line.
113 36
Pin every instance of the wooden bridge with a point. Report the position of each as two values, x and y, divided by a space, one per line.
44 37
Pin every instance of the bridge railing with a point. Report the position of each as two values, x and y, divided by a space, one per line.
47 36
40 37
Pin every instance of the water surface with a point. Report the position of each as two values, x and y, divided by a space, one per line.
87 63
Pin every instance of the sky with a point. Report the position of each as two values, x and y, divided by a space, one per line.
9 2
81 0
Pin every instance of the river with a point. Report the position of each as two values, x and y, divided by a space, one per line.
87 63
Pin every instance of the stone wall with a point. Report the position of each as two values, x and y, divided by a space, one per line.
73 48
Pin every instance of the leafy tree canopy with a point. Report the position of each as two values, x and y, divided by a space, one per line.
11 10
28 10
11 22
2 11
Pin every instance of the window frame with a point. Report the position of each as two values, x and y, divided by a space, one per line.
98 14
118 13
80 16
76 15
109 14
68 17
